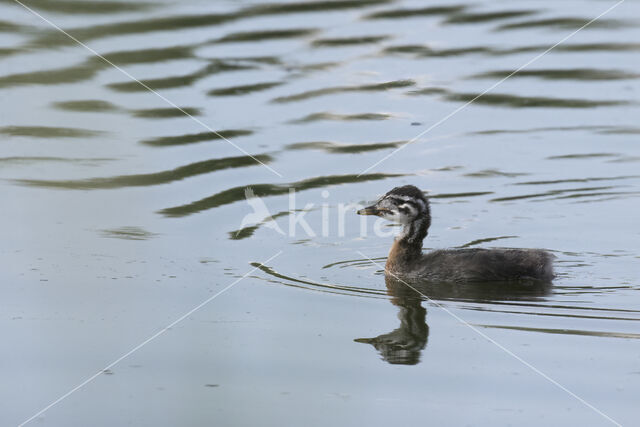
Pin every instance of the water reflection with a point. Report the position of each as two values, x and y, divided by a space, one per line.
404 345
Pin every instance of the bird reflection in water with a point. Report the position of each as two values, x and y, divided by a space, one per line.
404 345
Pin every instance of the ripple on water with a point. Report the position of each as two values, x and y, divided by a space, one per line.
99 106
86 105
583 128
567 23
248 231
574 180
147 55
348 41
564 193
11 27
156 178
48 132
83 7
560 74
475 18
181 22
342 148
326 115
288 280
309 7
87 69
192 138
464 194
579 156
625 335
422 51
54 38
128 233
518 101
171 82
236 194
416 12
71 74
492 173
27 160
8 51
377 87
243 89
621 130
265 35
166 113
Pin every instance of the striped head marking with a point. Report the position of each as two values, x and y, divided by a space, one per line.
402 205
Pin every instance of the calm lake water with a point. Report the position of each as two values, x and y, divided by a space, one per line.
122 213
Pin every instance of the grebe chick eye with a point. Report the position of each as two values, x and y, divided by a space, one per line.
408 206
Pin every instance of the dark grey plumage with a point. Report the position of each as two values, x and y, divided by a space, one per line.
484 265
408 206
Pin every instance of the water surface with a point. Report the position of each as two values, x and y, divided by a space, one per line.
123 210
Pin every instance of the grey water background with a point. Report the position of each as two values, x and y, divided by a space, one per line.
120 213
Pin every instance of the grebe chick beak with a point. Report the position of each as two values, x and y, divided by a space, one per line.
370 210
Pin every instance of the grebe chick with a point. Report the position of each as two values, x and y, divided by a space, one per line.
408 206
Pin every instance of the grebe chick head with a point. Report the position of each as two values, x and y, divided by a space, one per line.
406 205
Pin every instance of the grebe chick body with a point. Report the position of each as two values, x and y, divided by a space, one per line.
408 206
